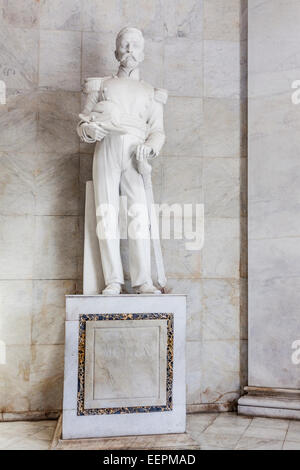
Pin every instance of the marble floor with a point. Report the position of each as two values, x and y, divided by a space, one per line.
209 430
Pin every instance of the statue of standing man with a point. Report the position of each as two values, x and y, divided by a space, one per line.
124 116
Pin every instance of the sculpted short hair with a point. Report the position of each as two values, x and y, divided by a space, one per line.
125 30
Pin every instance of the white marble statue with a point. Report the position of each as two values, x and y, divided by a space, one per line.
124 116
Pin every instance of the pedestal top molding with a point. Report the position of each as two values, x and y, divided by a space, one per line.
87 304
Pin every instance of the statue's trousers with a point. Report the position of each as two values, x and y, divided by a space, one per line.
115 173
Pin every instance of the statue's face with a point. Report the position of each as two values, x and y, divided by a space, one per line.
130 50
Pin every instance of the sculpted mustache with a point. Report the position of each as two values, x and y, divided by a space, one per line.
127 55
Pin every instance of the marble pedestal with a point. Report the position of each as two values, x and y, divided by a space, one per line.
124 365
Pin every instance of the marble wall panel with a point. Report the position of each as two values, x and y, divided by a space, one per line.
48 310
17 184
219 385
182 180
56 247
46 377
184 127
274 257
152 68
15 312
274 70
16 247
25 15
220 305
223 134
61 14
18 122
274 121
221 251
222 19
107 17
220 371
98 58
19 57
60 55
16 373
194 372
183 19
57 119
43 175
222 70
179 262
221 187
193 288
273 318
56 184
274 216
213 308
180 54
146 14
43 184
102 16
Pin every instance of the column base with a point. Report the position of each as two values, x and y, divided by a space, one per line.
270 403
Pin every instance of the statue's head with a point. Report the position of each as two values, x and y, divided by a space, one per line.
130 47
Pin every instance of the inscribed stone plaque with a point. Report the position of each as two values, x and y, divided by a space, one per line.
126 363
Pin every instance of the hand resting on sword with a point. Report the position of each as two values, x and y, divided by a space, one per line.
143 152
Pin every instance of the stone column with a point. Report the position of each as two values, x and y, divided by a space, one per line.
274 210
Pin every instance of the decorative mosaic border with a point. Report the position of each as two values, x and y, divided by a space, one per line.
81 362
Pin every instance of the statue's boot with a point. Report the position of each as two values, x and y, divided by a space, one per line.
147 288
112 289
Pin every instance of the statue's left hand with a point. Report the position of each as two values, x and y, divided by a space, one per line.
143 152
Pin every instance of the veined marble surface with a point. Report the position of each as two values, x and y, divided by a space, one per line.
193 48
273 178
207 431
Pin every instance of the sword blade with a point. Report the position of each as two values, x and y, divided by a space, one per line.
154 231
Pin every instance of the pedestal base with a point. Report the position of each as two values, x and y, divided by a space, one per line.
182 441
270 402
124 365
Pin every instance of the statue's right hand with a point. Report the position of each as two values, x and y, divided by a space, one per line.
95 132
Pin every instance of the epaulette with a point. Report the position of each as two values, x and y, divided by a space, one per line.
92 84
160 95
